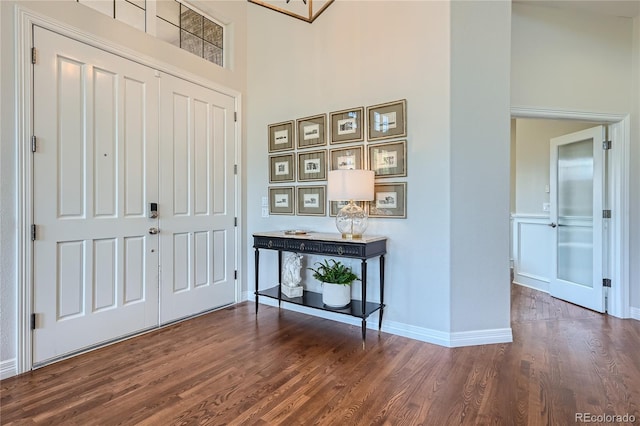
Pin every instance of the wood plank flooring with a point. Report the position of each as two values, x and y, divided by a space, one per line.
287 368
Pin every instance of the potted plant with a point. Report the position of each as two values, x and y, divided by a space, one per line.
336 281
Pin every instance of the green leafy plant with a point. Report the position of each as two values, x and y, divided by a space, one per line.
334 272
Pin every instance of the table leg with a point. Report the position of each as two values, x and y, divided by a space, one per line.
364 299
279 278
257 272
381 292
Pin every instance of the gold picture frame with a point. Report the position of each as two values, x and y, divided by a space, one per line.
311 200
347 125
390 200
312 165
282 168
311 131
282 136
386 121
388 159
346 158
281 200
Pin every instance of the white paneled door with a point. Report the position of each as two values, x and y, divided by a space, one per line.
113 137
197 201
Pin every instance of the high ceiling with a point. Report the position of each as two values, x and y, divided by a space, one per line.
623 8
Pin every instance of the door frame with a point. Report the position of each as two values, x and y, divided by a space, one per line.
25 19
617 199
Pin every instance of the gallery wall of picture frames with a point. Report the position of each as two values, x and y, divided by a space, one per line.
304 150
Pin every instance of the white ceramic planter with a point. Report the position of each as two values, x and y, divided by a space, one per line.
336 295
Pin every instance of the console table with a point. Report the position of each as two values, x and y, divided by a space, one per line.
327 245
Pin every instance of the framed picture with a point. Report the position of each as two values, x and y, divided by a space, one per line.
388 159
390 200
387 120
347 125
281 136
335 206
281 168
281 200
311 200
312 165
311 131
346 158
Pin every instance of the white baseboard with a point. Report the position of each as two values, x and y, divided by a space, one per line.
436 337
635 313
529 285
8 368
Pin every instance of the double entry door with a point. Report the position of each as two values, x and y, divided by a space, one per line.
134 197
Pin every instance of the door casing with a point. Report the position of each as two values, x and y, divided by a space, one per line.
618 299
25 20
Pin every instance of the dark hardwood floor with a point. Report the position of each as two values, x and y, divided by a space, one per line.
292 369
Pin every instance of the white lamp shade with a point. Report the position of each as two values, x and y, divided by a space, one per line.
353 184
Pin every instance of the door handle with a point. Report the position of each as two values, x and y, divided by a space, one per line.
153 230
553 225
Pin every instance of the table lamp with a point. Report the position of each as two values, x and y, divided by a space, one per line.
351 185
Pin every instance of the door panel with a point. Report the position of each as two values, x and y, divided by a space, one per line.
197 205
95 171
576 212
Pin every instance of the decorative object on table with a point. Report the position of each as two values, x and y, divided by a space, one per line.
336 281
312 165
281 200
387 120
282 168
312 131
390 200
281 136
388 159
347 125
291 278
312 200
351 185
305 10
346 158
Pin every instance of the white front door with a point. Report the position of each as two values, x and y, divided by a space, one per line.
577 194
197 199
94 173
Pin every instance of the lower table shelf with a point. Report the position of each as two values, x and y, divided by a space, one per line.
314 300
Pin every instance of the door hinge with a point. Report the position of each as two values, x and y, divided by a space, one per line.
34 55
606 214
33 321
33 233
235 221
235 274
606 145
34 146
235 116
606 282
235 169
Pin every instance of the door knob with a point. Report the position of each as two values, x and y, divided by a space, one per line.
153 230
553 225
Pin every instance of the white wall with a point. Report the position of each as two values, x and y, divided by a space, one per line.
573 61
480 142
363 53
146 48
532 160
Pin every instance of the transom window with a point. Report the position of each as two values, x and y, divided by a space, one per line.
175 22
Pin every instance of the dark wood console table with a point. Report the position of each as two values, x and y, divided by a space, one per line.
326 245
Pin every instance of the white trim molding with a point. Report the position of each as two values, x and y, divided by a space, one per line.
531 251
436 337
8 368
